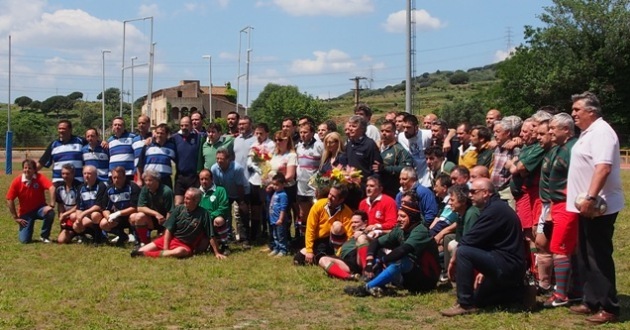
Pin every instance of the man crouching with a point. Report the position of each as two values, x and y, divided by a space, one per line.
188 229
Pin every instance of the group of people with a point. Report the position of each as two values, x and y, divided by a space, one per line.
490 208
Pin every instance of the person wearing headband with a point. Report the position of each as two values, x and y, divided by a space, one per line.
413 257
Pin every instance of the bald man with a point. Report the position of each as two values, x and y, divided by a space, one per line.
479 171
493 247
428 120
492 116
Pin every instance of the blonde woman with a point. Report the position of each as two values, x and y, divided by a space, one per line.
334 152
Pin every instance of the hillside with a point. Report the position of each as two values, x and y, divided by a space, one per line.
433 91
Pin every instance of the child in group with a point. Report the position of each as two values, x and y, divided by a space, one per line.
278 206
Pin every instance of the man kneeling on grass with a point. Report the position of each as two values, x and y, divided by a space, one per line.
413 257
188 229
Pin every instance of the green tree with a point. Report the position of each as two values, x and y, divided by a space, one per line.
30 129
35 105
584 45
56 104
459 78
23 101
75 96
276 102
472 110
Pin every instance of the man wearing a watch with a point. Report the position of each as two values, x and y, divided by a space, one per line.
595 170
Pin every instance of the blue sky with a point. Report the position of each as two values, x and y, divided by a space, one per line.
317 45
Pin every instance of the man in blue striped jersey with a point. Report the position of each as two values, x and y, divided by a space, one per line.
159 155
121 148
94 154
65 150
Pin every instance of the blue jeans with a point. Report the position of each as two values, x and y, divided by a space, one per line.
280 241
393 272
502 282
25 234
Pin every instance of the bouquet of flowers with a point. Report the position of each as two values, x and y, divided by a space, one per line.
347 175
260 157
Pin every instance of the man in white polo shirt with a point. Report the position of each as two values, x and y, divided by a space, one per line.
594 170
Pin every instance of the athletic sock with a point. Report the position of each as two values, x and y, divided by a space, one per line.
362 251
561 266
223 233
335 270
143 236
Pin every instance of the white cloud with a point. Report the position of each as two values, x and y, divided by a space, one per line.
61 49
333 60
149 10
264 78
223 3
190 6
501 55
397 22
228 56
325 7
19 13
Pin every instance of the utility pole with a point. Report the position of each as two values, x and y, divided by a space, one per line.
357 88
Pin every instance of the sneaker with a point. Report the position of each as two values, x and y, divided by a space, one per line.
357 291
545 291
354 277
132 238
281 254
122 240
44 240
556 300
459 310
363 291
444 277
225 250
273 253
136 253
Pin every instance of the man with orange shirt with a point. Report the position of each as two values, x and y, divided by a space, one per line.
29 189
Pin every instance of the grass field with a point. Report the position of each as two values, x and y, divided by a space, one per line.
79 286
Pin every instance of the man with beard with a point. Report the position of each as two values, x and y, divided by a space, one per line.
395 158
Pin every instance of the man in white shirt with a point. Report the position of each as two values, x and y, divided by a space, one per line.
416 141
594 170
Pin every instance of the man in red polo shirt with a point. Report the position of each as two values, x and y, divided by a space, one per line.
29 188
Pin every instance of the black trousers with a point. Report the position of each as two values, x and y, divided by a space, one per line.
595 262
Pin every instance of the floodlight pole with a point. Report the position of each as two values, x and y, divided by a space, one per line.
122 76
133 58
8 168
103 52
211 114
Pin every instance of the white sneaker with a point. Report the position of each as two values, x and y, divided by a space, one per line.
132 238
44 240
273 253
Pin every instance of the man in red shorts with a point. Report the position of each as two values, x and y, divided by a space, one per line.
188 229
565 224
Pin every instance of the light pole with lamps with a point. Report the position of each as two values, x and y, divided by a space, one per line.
211 114
133 101
103 52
